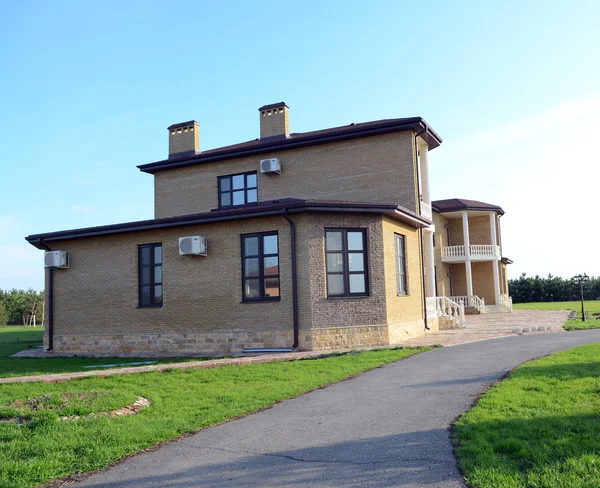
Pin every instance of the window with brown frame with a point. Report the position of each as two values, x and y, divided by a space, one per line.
150 280
260 267
400 251
346 262
236 190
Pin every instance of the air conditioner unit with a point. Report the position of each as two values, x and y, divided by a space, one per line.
56 259
192 245
270 166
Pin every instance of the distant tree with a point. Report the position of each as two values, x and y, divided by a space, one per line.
21 306
550 289
3 314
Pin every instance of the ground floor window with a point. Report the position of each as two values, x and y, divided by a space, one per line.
400 249
260 267
150 275
346 262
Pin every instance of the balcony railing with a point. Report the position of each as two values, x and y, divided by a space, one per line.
426 211
477 252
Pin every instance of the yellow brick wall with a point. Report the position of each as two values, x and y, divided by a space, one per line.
403 310
184 139
96 299
479 231
459 279
371 169
99 292
274 122
504 279
483 281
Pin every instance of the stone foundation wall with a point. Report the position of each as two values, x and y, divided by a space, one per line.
169 344
344 337
233 341
446 323
400 332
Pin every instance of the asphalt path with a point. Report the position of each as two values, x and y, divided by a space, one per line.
385 428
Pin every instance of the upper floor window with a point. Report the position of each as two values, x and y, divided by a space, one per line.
346 254
235 190
400 247
150 275
260 266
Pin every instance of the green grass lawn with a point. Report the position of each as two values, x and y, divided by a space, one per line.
577 324
538 428
45 448
591 306
15 339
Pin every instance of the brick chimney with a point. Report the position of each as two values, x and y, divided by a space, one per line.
184 139
274 120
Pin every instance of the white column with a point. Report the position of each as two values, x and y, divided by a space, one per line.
428 233
465 221
424 165
495 262
429 262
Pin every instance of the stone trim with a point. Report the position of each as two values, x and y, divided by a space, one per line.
170 344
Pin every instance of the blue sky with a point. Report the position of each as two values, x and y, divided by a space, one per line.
88 89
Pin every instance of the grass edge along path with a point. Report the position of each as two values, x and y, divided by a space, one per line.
538 427
591 306
183 401
577 324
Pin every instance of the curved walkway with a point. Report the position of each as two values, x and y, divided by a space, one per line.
495 325
387 427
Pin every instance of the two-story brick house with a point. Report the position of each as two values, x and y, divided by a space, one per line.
327 244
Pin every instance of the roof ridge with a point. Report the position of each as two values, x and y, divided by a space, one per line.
301 139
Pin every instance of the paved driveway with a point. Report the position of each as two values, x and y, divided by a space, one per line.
493 326
385 428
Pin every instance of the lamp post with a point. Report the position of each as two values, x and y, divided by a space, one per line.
581 280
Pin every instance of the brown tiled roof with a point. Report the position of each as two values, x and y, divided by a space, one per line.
457 204
300 139
258 210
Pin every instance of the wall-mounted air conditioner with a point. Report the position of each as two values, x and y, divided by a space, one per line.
56 259
192 245
270 166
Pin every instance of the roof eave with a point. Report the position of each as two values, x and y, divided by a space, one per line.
399 213
498 210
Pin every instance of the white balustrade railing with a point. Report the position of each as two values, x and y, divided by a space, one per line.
453 251
426 211
472 301
451 309
475 251
506 302
484 250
